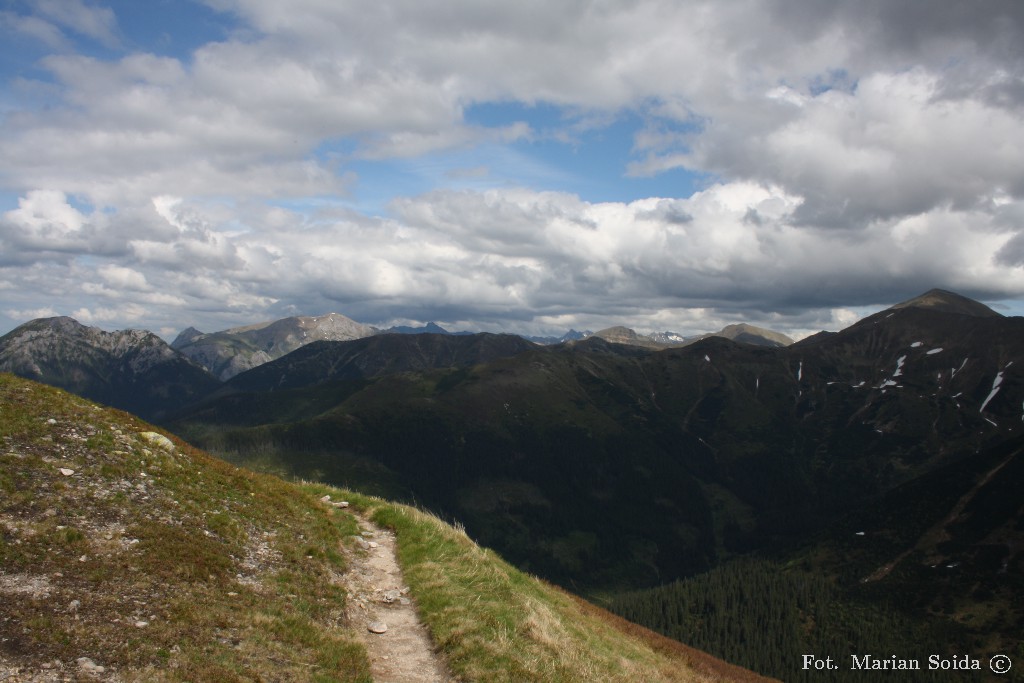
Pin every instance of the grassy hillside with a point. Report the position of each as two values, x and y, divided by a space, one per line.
125 555
158 563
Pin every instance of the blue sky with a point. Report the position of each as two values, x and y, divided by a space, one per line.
507 166
562 153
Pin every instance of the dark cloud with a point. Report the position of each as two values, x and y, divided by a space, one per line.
1012 253
914 31
667 211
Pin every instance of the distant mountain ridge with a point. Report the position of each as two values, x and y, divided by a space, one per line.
230 352
570 336
429 328
68 362
742 333
624 335
382 354
751 334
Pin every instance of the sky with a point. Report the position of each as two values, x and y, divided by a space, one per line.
527 167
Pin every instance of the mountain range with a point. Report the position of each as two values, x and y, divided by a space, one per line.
714 448
882 459
124 368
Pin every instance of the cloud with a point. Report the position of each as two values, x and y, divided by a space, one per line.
144 126
891 148
1012 252
517 253
122 278
31 314
504 255
817 99
122 314
43 222
98 23
46 209
36 28
565 254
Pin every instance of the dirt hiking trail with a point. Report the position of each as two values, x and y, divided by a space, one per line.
384 614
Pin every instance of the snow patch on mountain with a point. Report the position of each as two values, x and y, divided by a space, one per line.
995 390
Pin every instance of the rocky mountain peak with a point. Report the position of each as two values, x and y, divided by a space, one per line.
617 332
429 328
62 323
53 333
131 369
741 332
188 335
624 335
233 351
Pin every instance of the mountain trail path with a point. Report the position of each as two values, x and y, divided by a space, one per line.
384 614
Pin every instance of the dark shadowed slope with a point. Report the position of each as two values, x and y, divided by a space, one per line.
378 355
